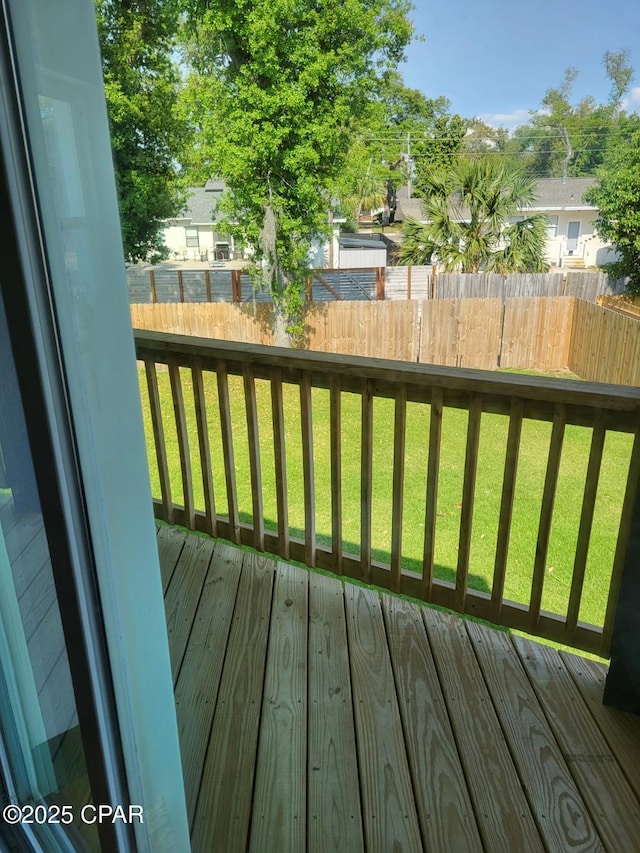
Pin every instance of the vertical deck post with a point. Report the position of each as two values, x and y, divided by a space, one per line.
622 687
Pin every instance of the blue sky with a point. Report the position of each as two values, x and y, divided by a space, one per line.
496 58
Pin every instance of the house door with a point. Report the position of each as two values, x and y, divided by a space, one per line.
89 750
573 232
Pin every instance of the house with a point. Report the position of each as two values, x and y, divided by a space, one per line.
192 235
392 751
572 239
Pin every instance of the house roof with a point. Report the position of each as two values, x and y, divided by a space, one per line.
365 241
558 193
551 194
202 202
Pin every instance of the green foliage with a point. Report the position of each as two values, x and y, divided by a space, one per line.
275 91
141 86
438 149
468 207
563 138
617 197
395 119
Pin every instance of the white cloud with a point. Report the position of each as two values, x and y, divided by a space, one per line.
508 120
632 103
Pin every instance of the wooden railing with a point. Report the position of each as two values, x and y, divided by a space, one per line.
207 365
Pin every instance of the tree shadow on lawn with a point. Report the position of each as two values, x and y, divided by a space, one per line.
380 556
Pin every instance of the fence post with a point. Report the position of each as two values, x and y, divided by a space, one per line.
180 286
408 282
622 687
152 282
236 288
207 284
380 282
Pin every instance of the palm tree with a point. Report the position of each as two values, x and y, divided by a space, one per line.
470 209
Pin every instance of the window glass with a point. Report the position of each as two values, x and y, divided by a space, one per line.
39 722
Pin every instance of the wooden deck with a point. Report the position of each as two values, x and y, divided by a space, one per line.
320 716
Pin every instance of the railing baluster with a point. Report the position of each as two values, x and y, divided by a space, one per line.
586 522
255 468
306 418
183 443
506 507
200 405
622 544
546 514
158 438
366 479
399 440
335 404
433 471
468 497
581 404
227 450
280 458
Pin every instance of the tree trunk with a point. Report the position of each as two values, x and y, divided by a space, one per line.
273 276
280 335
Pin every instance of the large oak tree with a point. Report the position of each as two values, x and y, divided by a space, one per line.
275 90
147 135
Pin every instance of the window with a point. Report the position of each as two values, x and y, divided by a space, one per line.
79 664
552 226
192 239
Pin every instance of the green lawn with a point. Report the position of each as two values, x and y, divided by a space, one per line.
530 479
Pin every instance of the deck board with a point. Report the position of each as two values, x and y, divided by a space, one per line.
170 543
183 595
316 715
614 808
334 819
562 818
619 728
224 802
197 686
444 807
501 807
389 813
279 800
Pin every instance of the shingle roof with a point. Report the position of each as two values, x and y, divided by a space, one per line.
408 208
202 202
556 192
551 194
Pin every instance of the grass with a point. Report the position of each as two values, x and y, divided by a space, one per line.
529 485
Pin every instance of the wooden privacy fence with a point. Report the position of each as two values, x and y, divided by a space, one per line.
482 333
162 285
544 334
208 368
624 304
605 345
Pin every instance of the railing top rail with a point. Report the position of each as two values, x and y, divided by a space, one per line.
584 400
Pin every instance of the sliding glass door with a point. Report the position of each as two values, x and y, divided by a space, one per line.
87 718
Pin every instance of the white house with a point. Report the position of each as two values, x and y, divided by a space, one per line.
192 236
572 237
